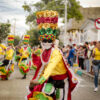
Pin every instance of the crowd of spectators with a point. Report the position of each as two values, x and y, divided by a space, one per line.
84 55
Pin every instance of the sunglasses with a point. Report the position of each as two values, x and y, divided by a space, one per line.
45 41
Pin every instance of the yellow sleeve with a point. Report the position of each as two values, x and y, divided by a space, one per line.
0 51
21 50
3 53
3 46
54 60
9 54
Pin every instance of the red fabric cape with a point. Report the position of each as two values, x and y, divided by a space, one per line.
45 57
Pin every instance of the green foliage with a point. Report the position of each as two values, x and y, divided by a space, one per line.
30 18
58 33
26 7
61 44
46 1
16 40
58 5
33 37
4 30
39 6
73 11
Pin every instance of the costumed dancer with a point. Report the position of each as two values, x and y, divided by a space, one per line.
53 80
7 66
37 52
2 51
17 56
25 53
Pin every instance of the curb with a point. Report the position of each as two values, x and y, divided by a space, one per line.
89 76
86 75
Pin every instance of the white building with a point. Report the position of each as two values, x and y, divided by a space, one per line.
90 33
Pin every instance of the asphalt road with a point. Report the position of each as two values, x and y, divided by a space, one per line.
16 88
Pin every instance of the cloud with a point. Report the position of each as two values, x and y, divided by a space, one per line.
12 9
90 3
10 5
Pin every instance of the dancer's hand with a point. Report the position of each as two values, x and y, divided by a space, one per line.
32 84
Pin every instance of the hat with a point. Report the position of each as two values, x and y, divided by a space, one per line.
47 24
10 39
26 39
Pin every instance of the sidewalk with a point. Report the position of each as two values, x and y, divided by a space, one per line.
89 76
86 75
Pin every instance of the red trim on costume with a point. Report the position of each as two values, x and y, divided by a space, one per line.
72 85
46 55
37 71
26 37
10 37
3 77
25 48
59 77
36 88
37 62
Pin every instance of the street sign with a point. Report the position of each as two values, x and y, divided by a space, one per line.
97 23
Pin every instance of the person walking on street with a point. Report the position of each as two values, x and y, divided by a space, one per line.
96 64
86 63
71 55
81 57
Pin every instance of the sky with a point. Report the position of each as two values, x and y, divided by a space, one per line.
12 9
90 3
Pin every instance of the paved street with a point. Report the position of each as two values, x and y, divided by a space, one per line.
84 91
16 88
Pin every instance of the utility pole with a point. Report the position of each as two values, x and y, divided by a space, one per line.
98 35
65 22
14 26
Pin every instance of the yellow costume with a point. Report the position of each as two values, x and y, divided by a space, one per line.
25 53
2 49
54 67
7 65
9 54
52 73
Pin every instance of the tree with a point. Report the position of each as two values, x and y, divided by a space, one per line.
16 40
58 5
26 7
33 37
4 30
61 44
